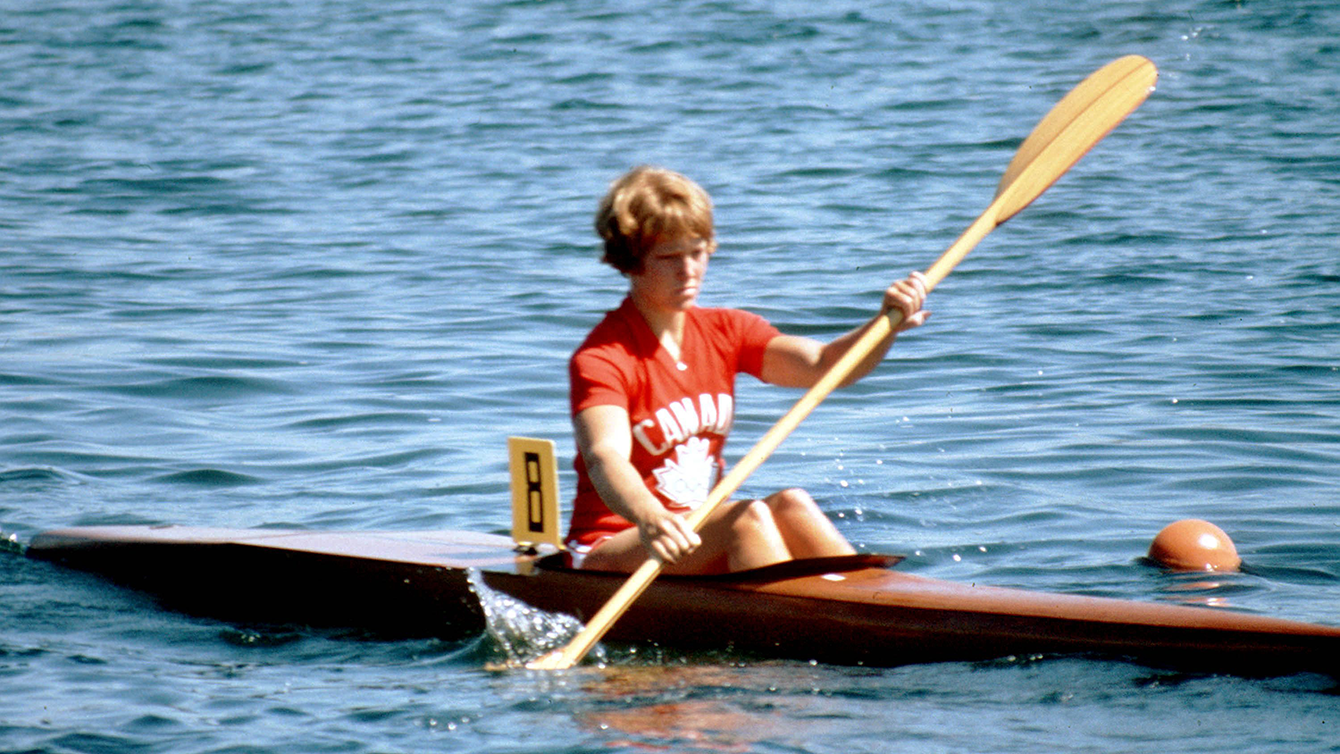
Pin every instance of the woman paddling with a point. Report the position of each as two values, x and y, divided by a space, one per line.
652 394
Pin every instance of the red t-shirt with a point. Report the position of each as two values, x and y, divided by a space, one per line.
679 412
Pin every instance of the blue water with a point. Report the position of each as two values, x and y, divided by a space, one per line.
309 264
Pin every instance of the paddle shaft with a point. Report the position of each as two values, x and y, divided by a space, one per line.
1080 120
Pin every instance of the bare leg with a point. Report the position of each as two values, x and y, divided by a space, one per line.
805 528
621 552
751 535
740 534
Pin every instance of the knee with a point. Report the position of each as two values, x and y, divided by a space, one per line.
752 516
790 501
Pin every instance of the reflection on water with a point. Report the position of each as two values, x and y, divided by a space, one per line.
682 707
708 725
1202 588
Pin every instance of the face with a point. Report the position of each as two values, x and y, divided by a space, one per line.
672 273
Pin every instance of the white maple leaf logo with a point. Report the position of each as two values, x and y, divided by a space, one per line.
687 478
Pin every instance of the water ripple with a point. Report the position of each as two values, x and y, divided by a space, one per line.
272 264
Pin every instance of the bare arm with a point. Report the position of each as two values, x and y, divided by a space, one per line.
606 444
793 361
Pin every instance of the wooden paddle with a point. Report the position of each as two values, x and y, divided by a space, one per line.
1080 120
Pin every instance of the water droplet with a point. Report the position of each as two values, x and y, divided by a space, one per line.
519 631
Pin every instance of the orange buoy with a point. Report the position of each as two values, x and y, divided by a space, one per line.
1194 545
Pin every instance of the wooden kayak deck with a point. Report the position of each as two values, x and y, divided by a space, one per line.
843 610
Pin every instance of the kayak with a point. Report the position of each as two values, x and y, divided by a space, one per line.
850 610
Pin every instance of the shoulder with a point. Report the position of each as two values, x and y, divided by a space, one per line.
611 353
736 324
615 335
741 337
723 316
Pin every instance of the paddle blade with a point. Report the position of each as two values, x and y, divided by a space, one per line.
618 603
1070 129
1077 122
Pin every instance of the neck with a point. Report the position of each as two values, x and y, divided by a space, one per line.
666 324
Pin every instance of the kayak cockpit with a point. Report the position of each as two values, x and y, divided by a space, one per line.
790 569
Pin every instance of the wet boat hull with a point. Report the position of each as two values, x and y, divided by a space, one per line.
845 610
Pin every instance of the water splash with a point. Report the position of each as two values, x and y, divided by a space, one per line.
519 631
